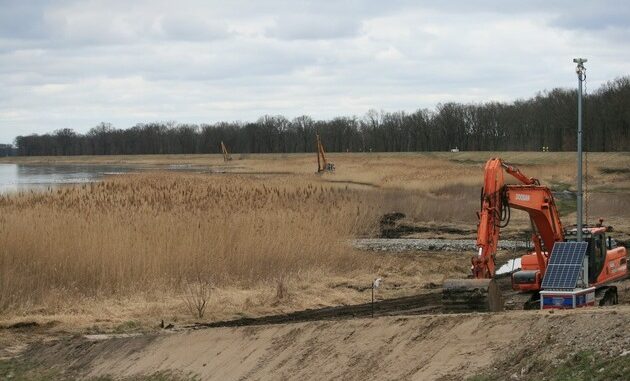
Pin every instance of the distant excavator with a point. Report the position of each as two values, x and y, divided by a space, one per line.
226 155
322 164
606 262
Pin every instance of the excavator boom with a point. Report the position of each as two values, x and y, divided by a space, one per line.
496 200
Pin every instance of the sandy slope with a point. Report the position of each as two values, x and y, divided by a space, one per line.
389 348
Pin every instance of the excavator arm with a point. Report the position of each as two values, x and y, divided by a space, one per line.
322 164
497 199
321 155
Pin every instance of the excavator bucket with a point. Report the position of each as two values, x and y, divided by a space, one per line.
470 295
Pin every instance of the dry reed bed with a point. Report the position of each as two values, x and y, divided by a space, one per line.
158 231
136 236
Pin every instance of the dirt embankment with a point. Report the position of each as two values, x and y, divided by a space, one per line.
429 347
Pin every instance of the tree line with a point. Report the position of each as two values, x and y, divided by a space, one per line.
7 150
547 120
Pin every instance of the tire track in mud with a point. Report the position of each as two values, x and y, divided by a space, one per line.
425 303
428 302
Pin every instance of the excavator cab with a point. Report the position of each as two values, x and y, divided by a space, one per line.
596 253
601 250
607 262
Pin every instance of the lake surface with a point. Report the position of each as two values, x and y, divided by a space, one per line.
21 177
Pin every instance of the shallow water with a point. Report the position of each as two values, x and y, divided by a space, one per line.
21 177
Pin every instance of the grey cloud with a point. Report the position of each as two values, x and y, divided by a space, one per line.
63 24
74 64
596 16
21 20
314 27
193 27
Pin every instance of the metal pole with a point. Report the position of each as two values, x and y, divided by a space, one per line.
581 75
372 300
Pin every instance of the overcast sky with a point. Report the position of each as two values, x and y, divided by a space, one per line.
77 63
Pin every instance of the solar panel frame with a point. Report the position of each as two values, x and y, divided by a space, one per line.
565 265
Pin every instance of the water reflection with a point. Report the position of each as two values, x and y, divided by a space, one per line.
20 177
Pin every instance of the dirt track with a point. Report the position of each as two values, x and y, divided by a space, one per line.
426 347
428 301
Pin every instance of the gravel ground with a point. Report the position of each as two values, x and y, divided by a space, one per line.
413 244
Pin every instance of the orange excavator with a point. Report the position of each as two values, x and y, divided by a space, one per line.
322 164
225 152
606 264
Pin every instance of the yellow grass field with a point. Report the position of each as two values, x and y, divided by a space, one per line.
260 234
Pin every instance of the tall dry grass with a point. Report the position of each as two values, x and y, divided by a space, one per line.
149 232
135 236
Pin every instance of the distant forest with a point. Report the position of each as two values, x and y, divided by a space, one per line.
7 150
546 120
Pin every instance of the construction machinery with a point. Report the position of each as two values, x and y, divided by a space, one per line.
226 154
322 164
606 263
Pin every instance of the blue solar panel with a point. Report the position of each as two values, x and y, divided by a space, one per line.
565 265
568 253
